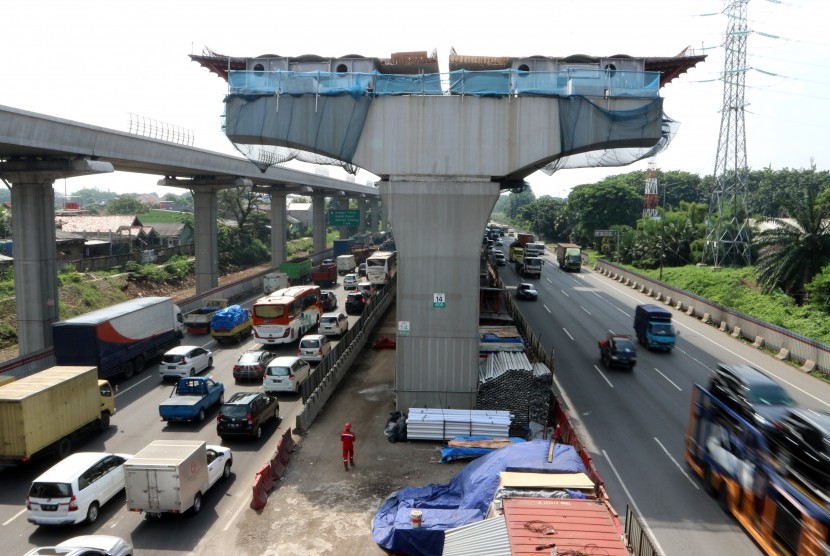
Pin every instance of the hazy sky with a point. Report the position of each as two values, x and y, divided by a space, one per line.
98 61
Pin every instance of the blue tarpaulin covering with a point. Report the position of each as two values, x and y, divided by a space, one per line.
464 499
227 318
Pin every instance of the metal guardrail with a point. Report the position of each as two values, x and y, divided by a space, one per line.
640 542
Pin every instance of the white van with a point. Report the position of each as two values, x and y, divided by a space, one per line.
74 489
285 374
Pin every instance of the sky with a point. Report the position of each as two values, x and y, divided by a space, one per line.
99 61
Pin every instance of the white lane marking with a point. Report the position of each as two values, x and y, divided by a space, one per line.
15 516
584 309
568 333
669 380
546 307
634 503
127 389
242 506
564 293
549 280
688 478
603 376
677 322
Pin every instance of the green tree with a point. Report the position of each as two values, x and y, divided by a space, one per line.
516 201
126 204
792 252
602 205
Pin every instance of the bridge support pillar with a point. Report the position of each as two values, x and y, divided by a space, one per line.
279 229
205 233
375 216
318 222
361 206
438 228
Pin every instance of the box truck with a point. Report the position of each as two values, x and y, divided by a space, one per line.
569 256
172 476
119 339
49 410
652 324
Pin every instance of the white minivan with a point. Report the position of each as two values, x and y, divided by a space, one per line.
285 374
74 489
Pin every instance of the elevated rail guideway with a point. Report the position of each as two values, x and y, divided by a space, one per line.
35 150
445 145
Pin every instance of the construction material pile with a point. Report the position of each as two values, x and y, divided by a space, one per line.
508 381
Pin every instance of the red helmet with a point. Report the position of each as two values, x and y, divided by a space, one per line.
347 426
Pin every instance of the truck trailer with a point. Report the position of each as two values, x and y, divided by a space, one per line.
119 339
172 476
569 256
50 410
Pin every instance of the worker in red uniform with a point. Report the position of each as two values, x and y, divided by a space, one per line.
347 438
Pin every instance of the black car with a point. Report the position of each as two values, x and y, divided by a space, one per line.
251 365
245 413
618 351
361 269
801 442
329 300
356 302
751 394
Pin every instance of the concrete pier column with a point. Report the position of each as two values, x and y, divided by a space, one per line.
279 228
318 222
35 270
361 206
205 243
438 227
375 216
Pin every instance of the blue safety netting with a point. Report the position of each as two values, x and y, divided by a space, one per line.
229 317
465 499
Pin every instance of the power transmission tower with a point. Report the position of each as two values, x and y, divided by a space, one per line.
727 235
650 197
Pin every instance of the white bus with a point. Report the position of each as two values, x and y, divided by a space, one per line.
381 266
284 315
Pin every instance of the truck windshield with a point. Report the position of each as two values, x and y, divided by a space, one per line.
661 329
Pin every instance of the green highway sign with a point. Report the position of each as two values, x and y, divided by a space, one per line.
344 218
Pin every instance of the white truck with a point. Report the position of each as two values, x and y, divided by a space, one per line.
274 281
197 321
172 476
346 264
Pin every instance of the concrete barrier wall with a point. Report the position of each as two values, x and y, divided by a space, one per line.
808 353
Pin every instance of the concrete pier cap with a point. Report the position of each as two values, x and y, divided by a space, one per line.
445 146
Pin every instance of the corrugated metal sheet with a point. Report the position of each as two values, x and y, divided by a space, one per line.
444 424
482 538
573 526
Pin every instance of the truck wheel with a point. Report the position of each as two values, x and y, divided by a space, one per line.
64 447
221 398
210 363
104 421
92 513
258 432
127 370
201 416
226 472
197 504
138 364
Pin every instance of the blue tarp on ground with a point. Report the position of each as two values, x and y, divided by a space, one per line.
227 318
464 499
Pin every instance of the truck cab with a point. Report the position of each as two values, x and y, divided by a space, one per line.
653 326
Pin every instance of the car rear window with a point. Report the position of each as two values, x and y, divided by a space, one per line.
328 320
172 358
310 344
234 411
769 395
278 371
50 490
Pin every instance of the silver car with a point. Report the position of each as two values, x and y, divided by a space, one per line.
333 324
182 361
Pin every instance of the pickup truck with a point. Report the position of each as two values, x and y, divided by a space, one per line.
618 351
197 321
231 324
191 398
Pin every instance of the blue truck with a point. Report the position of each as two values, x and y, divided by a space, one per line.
652 324
120 339
191 399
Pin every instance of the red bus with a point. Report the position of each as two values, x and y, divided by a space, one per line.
285 315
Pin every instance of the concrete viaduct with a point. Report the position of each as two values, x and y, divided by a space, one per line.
36 150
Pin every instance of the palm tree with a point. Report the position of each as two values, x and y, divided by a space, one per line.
791 253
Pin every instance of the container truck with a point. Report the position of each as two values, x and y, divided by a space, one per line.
569 256
49 410
342 247
119 339
172 476
652 324
325 274
197 321
274 281
346 264
529 267
298 269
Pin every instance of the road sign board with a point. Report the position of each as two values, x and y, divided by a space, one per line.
344 218
439 300
605 233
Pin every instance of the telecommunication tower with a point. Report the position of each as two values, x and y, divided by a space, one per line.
650 197
727 234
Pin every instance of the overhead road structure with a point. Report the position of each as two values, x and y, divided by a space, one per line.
36 150
445 146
